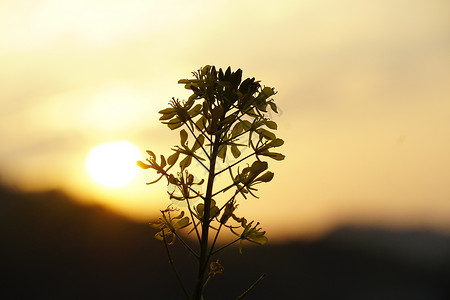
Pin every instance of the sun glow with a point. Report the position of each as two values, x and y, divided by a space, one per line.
113 164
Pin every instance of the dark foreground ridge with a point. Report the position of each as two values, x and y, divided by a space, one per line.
54 248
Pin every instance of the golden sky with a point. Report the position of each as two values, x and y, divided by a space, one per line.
363 91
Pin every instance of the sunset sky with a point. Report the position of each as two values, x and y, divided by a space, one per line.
363 91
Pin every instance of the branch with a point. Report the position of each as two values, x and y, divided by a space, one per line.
238 118
163 174
227 245
222 190
193 221
173 267
231 124
235 137
192 216
186 245
196 139
239 161
197 193
199 161
231 199
214 242
251 287
203 132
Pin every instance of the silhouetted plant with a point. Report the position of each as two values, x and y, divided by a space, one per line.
223 116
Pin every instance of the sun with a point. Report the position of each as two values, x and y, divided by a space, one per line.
113 164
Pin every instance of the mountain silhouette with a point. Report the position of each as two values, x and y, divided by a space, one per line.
56 248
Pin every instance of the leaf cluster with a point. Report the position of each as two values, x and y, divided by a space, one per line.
168 225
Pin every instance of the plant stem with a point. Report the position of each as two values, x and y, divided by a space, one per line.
203 261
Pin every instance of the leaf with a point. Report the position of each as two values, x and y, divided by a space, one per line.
167 116
266 177
252 113
171 160
236 79
167 113
228 211
273 106
200 210
205 110
224 83
179 216
273 155
246 124
259 166
152 155
275 143
253 234
168 110
156 225
201 123
174 123
159 236
142 165
181 223
266 134
222 152
228 72
183 137
214 211
186 162
237 129
235 151
189 103
216 114
228 120
195 110
193 96
257 237
163 162
271 124
267 91
271 144
198 142
205 70
173 180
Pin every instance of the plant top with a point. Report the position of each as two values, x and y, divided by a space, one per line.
224 118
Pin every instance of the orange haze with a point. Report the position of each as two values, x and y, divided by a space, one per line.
363 89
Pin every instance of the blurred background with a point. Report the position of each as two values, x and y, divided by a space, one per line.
363 93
